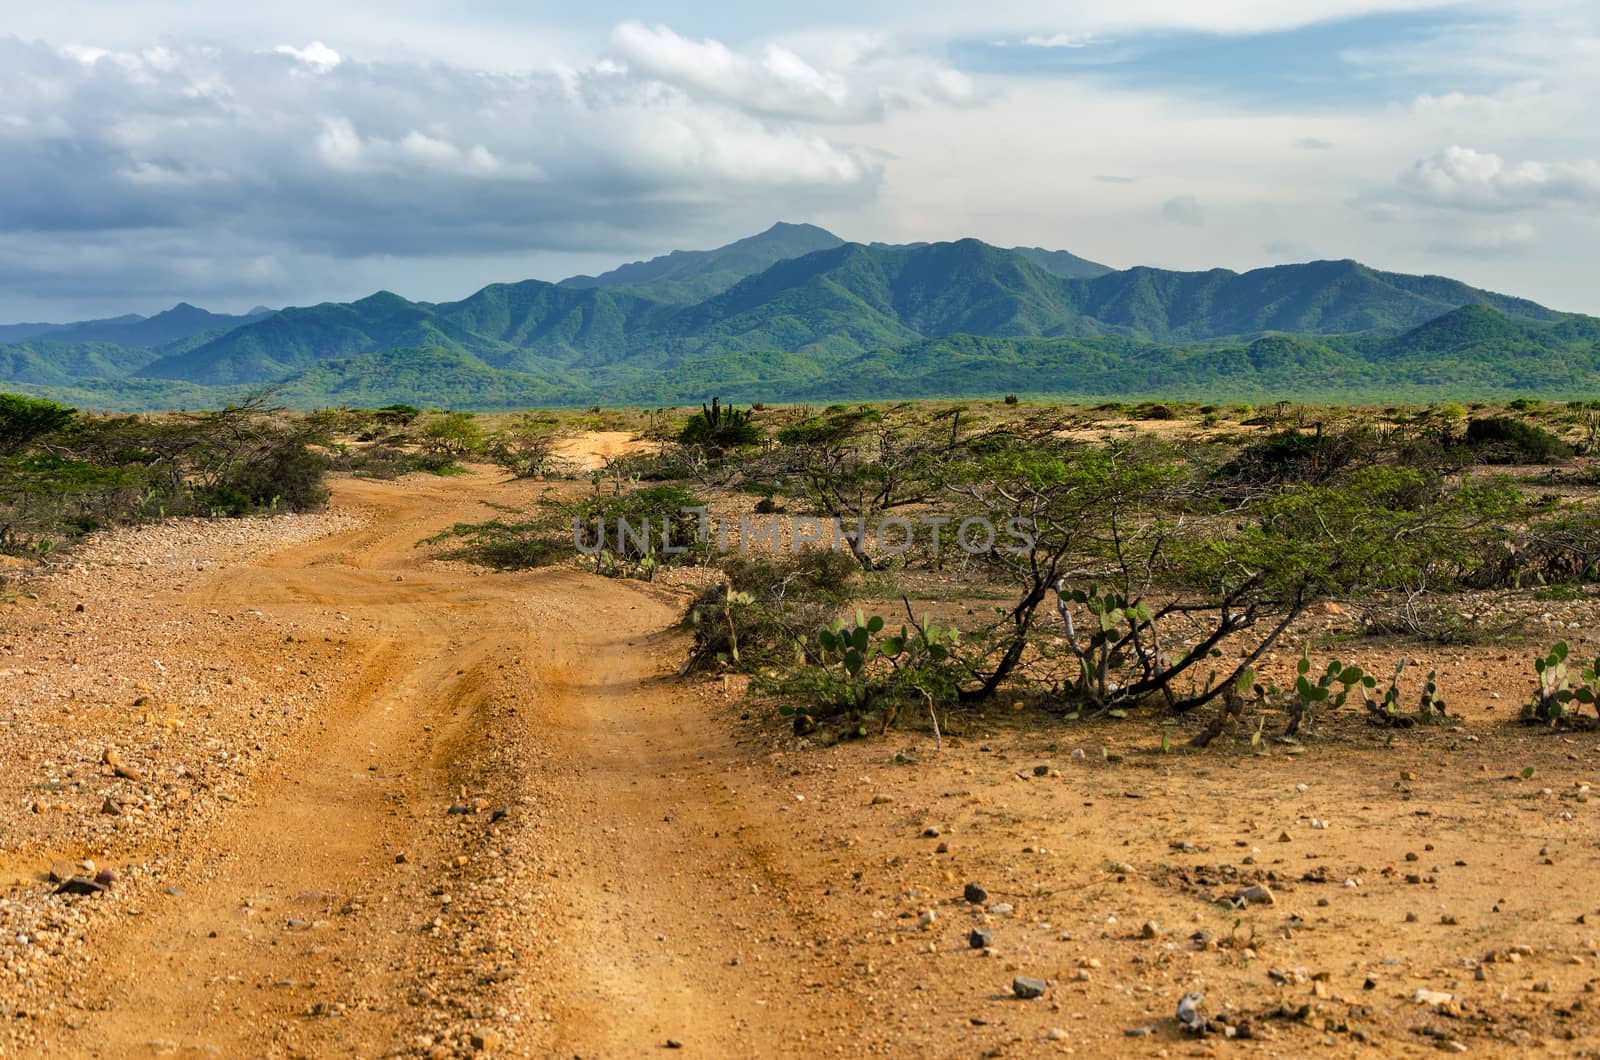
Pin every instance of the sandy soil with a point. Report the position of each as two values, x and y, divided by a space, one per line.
377 804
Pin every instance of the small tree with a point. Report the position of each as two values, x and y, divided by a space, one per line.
23 420
452 434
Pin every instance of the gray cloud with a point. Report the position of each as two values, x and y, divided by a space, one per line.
203 170
1311 143
1183 210
1289 250
1485 242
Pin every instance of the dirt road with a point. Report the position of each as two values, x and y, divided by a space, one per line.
422 810
345 909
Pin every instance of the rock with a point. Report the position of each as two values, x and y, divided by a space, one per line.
1056 1034
110 756
1027 988
500 813
61 872
980 938
105 877
673 1043
804 724
1000 909
1041 770
1285 837
881 799
975 894
401 858
111 807
459 808
1435 999
1189 1013
486 1041
1150 930
927 919
80 885
933 831
1255 894
1140 1032
127 773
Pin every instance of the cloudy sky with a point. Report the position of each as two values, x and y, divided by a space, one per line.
291 153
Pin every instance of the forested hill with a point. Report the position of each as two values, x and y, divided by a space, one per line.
795 312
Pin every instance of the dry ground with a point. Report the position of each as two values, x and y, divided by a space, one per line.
298 704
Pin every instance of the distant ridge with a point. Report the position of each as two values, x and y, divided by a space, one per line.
796 313
690 275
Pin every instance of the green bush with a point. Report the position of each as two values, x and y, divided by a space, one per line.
288 477
721 427
768 606
1292 456
1506 440
24 419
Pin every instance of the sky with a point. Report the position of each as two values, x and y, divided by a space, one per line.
238 155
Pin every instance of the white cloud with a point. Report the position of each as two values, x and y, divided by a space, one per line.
856 79
1061 40
779 82
1462 178
317 55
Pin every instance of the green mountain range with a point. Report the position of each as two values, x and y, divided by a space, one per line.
796 313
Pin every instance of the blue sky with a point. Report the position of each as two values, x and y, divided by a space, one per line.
232 156
1305 66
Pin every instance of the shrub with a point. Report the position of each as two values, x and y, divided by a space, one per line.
524 450
1506 440
453 434
720 427
288 476
1297 456
768 606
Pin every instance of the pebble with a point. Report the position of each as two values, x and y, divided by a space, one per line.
1027 988
975 894
980 938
